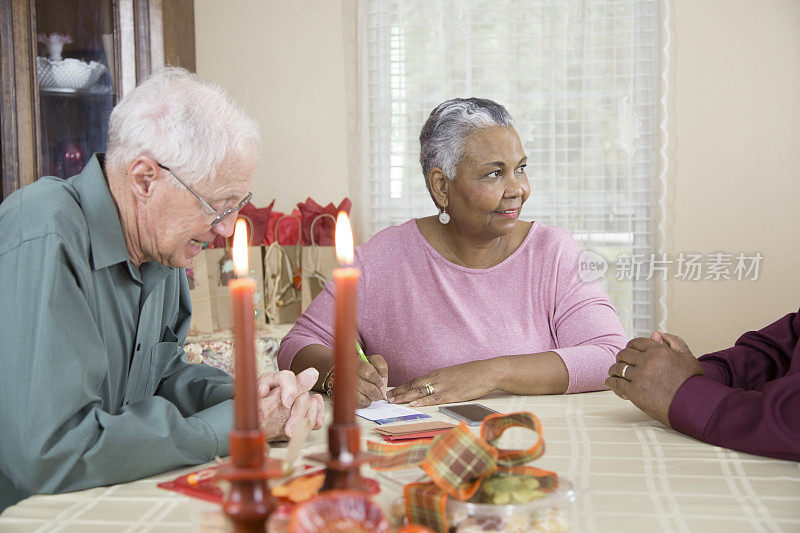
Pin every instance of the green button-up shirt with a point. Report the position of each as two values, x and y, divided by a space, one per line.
95 387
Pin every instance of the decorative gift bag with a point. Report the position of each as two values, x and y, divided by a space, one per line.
211 271
255 258
325 228
286 234
200 294
319 253
318 261
258 219
282 274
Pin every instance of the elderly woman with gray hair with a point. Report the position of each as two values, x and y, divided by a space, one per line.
454 306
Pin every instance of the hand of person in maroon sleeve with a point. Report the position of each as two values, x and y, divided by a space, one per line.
673 341
648 372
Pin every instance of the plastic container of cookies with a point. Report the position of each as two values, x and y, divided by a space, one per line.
549 513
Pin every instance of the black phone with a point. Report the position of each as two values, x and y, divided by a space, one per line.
472 413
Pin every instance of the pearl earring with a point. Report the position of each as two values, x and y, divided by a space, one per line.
444 218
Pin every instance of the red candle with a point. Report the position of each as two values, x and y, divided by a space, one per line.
242 290
345 281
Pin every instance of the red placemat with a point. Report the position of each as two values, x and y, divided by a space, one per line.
203 485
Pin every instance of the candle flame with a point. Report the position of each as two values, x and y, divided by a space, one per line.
344 239
240 240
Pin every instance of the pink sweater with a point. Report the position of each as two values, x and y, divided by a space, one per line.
422 312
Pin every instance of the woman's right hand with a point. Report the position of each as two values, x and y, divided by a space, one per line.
373 380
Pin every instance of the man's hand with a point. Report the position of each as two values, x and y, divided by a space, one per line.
648 372
284 399
373 379
450 384
288 384
673 341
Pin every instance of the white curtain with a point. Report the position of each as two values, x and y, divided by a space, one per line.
581 79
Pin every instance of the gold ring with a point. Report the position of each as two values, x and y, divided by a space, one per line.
625 369
429 389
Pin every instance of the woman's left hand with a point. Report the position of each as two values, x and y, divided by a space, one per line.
457 383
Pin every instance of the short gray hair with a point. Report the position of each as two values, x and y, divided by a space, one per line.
182 122
449 124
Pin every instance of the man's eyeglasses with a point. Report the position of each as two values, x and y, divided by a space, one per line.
219 216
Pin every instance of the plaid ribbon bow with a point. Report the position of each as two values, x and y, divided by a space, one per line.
457 462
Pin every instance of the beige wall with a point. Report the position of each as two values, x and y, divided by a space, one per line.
291 65
735 170
734 111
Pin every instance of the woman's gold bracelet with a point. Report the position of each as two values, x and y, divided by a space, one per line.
327 383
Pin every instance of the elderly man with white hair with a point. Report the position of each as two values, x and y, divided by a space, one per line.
96 388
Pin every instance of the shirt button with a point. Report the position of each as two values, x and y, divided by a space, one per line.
138 346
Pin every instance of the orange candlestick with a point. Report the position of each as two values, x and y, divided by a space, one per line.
242 290
344 439
249 502
344 348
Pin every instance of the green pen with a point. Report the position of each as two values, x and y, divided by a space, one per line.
361 354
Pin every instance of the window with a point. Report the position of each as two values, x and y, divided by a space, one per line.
580 78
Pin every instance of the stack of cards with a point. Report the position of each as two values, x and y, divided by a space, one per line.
418 430
383 412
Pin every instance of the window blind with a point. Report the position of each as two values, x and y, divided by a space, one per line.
580 78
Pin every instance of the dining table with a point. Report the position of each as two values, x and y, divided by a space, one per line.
630 473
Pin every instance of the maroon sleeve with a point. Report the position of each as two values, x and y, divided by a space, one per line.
758 357
749 399
759 422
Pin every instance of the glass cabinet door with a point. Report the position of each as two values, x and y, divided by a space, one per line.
74 62
65 63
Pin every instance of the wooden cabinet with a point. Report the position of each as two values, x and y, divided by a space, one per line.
55 107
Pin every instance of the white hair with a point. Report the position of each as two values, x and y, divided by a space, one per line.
184 123
442 137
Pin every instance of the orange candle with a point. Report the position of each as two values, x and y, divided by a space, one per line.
242 290
345 281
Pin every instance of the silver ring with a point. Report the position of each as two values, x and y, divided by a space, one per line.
625 369
429 389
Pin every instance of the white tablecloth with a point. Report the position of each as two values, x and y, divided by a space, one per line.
637 476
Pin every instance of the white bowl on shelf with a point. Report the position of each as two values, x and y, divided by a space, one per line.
69 73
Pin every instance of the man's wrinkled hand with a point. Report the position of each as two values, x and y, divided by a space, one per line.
648 372
289 384
284 399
